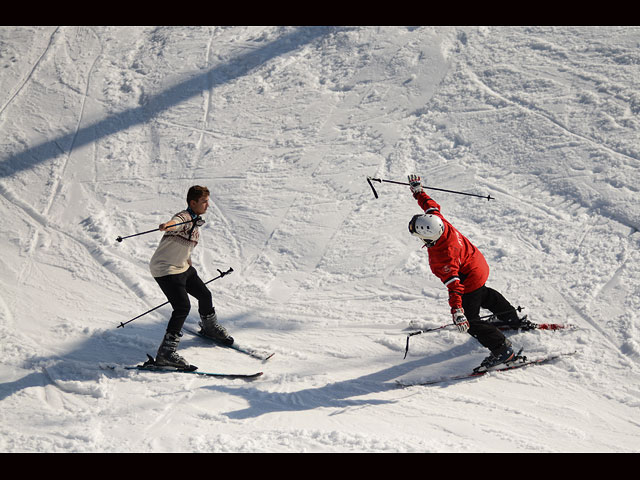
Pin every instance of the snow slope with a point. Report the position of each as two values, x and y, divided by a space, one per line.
105 128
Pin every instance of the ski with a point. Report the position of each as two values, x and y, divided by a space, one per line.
150 366
519 363
252 352
526 326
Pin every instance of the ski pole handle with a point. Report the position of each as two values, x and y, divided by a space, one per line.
222 274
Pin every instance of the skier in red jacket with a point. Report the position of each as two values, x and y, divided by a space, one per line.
464 271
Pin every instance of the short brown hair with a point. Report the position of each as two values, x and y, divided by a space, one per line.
196 192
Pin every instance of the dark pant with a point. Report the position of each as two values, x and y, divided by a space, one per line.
177 289
486 333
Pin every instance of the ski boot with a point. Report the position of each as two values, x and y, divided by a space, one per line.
499 357
209 327
167 356
523 324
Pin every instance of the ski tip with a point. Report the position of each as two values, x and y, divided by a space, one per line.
555 326
240 376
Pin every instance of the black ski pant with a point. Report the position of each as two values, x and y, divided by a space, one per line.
177 289
486 333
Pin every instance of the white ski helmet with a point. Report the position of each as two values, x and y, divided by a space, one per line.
427 227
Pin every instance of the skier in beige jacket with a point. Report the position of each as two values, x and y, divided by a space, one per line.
171 267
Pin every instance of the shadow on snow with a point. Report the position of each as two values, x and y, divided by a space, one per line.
155 104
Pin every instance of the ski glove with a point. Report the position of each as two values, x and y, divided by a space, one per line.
460 320
415 184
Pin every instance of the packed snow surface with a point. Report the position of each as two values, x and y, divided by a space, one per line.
105 128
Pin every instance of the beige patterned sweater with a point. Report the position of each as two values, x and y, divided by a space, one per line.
173 254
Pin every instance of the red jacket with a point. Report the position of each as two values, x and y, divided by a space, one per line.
454 259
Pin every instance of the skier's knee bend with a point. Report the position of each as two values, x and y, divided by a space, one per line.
205 303
183 309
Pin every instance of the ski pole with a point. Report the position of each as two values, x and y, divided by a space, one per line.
119 239
420 332
222 274
380 180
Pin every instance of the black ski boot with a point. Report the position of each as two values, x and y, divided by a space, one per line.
167 356
209 327
523 324
498 357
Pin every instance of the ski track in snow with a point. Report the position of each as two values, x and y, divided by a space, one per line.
531 109
29 75
284 124
59 175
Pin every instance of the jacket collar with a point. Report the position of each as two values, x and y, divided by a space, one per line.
194 215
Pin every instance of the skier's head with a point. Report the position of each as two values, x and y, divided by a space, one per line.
427 227
198 199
